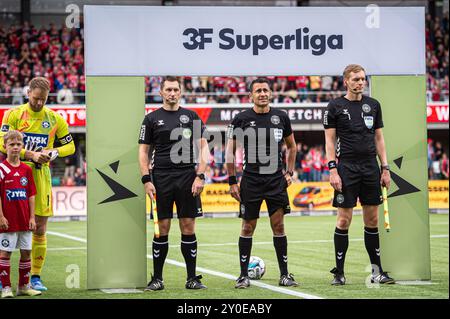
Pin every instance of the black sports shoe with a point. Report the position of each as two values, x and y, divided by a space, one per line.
382 278
288 281
242 282
155 284
339 278
195 283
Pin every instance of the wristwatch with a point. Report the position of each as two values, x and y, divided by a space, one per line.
201 176
385 167
291 173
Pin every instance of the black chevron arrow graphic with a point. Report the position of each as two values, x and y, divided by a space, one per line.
398 162
120 192
114 166
404 187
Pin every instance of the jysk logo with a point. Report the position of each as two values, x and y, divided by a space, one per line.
16 194
301 39
36 139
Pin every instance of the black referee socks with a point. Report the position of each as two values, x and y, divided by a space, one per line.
280 243
340 247
245 248
189 251
372 241
160 248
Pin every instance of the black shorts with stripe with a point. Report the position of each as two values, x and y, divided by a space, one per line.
175 186
360 179
255 188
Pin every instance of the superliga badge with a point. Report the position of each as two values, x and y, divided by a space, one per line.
278 133
368 120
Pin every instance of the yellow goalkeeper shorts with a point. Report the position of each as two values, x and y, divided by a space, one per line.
43 182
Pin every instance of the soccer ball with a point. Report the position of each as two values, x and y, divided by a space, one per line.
256 268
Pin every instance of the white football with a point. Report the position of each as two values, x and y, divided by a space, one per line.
256 268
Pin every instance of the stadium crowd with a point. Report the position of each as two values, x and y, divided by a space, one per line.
57 54
438 166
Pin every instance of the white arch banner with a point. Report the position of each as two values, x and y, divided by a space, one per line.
137 41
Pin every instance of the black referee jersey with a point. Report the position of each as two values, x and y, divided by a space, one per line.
267 129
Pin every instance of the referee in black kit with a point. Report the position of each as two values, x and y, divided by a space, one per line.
172 131
353 135
262 130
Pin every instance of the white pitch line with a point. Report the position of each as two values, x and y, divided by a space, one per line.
253 282
439 236
81 240
211 272
65 248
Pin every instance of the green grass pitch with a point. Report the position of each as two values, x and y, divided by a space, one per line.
311 256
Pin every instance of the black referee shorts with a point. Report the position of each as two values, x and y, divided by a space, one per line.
360 179
175 186
255 188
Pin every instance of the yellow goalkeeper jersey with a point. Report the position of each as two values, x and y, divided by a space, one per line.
39 129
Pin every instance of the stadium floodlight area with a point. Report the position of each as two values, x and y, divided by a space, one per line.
124 44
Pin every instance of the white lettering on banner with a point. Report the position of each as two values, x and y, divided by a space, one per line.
437 112
228 115
81 114
72 116
442 113
305 114
69 201
283 41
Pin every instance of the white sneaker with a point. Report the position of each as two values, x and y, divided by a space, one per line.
7 292
27 291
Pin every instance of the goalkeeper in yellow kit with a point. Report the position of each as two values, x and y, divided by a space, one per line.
40 127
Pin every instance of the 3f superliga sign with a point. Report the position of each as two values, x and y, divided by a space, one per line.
228 39
255 41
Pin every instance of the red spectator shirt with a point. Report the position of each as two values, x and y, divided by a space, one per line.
306 166
82 83
232 85
219 82
54 51
302 82
72 80
16 187
242 87
44 42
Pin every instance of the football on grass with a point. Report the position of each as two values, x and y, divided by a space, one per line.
256 268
